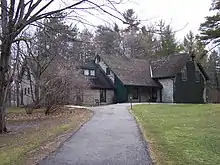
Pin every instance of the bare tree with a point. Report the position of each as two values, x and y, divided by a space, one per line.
16 16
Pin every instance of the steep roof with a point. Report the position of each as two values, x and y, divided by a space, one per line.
168 66
130 71
100 81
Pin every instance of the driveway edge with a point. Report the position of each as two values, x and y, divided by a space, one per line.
143 137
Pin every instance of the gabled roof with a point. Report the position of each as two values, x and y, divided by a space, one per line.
100 81
168 66
130 71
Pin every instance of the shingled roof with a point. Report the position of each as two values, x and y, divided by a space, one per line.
168 66
131 71
99 81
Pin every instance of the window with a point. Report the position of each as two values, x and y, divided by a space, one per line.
107 71
92 72
89 72
86 72
197 76
184 74
28 91
25 91
102 95
135 93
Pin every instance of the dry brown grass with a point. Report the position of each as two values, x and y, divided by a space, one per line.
31 134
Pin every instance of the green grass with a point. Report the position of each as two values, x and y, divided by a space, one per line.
181 134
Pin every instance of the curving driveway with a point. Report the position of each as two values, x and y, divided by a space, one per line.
111 137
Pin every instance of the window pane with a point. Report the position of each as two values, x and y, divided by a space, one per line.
92 72
86 72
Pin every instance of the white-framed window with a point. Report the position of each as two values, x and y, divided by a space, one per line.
89 72
92 72
86 72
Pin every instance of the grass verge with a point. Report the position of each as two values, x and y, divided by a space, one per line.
181 134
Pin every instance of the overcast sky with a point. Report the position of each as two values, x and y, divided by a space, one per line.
181 14
177 12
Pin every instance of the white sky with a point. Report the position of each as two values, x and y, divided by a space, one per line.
177 12
181 14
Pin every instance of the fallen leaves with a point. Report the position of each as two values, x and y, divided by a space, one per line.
37 133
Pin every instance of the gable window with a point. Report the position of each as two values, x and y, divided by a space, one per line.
107 71
86 72
89 72
184 74
102 95
135 93
92 72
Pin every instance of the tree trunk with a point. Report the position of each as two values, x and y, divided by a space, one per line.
4 82
17 94
37 91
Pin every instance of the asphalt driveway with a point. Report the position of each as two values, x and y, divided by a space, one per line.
111 137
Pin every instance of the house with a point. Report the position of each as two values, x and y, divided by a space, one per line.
101 89
26 82
170 79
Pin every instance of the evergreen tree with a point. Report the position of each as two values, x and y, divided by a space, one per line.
210 29
167 40
193 45
107 39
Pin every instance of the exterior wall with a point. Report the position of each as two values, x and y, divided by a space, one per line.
27 98
190 90
110 94
25 84
167 91
90 95
121 91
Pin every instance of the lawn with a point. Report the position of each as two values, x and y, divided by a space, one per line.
35 134
181 134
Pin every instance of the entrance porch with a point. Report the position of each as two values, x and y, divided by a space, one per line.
144 94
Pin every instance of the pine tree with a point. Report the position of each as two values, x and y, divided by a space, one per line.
193 45
210 29
168 42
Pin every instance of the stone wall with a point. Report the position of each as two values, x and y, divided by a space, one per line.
90 95
110 96
167 91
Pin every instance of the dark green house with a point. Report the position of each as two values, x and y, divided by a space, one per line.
171 79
